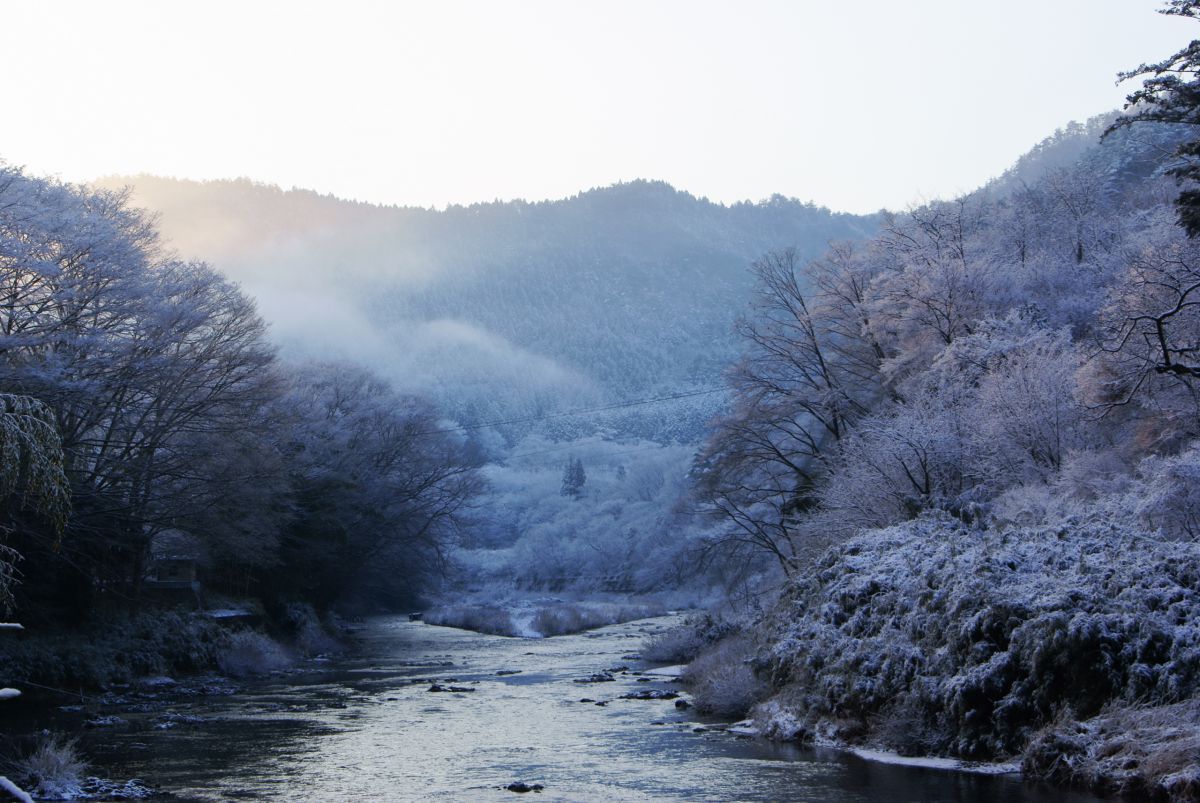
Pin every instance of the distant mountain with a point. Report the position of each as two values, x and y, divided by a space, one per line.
504 310
1125 158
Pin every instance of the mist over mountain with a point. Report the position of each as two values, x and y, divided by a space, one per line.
506 309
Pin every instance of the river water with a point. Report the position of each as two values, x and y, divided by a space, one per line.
367 727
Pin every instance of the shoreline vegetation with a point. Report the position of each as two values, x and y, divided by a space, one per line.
1067 653
541 617
1131 749
157 644
142 657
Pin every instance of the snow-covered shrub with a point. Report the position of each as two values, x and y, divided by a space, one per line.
1167 494
112 650
54 770
248 652
1148 753
907 726
687 640
722 681
540 618
309 633
480 618
1161 496
986 636
559 620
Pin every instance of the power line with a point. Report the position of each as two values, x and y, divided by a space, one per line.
530 419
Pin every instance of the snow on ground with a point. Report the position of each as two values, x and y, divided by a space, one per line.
665 671
933 763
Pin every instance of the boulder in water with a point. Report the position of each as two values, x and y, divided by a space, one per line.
522 787
650 694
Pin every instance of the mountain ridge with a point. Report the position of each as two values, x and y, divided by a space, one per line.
500 308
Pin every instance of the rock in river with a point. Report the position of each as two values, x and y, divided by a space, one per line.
650 694
521 786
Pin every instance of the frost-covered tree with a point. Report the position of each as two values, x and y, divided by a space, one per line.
1151 334
910 457
174 412
31 474
140 357
1024 416
811 368
938 282
378 488
573 479
1170 93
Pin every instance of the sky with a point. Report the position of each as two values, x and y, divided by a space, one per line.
853 105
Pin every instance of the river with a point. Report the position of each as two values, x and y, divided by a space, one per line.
366 727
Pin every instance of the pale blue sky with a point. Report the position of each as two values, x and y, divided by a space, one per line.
855 105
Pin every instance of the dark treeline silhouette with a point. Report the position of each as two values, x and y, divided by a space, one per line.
186 443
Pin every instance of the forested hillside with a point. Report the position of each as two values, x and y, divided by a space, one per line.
503 310
619 302
969 444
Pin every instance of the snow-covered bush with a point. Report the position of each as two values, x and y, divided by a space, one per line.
1160 496
248 652
480 618
539 618
985 636
1166 495
722 681
687 640
309 633
55 770
559 620
112 650
1147 753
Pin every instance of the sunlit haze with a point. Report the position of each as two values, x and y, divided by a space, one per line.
852 105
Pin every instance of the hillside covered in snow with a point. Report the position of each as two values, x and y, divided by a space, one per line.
507 309
968 446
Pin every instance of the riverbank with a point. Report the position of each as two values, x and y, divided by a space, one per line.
1146 753
1138 753
1070 651
368 726
543 616
126 648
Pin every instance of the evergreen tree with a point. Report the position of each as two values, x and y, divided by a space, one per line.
1171 94
574 478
